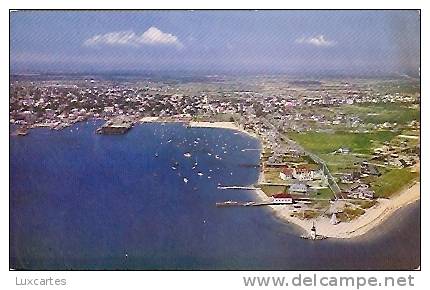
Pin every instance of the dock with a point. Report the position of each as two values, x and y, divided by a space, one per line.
245 203
237 187
116 126
316 238
236 203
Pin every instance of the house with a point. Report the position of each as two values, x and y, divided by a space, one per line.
343 150
350 177
287 173
307 172
298 187
283 198
369 169
361 191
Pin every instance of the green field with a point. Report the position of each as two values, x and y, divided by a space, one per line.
381 113
324 193
393 181
341 163
323 143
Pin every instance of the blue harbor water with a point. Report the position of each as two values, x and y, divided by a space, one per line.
79 200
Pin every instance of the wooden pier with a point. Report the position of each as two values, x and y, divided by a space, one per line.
237 187
229 203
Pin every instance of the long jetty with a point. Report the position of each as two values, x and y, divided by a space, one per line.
237 187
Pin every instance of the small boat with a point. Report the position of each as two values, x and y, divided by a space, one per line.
210 154
200 174
170 140
156 154
21 132
185 180
188 154
217 157
209 177
174 168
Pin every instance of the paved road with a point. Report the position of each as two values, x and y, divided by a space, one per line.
331 181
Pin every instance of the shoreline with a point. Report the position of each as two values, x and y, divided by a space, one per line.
221 125
373 217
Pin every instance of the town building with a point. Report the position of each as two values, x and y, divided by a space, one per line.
298 187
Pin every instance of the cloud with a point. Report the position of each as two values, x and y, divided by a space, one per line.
318 40
152 36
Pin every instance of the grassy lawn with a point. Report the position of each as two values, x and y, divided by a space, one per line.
324 193
393 181
350 213
323 143
365 204
270 190
306 214
272 175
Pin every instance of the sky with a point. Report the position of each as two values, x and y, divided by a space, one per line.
216 41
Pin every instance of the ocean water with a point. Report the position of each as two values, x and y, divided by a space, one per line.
79 200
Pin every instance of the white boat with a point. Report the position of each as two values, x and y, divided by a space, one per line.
188 154
199 174
185 179
173 167
210 154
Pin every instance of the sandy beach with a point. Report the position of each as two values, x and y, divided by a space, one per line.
372 218
223 125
